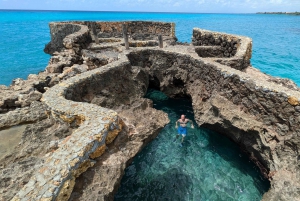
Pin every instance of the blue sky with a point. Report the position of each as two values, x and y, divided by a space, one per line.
201 6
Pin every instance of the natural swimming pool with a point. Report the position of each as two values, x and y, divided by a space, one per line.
208 166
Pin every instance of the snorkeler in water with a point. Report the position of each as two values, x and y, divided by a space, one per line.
182 129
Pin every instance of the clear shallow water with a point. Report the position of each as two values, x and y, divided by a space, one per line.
275 37
207 167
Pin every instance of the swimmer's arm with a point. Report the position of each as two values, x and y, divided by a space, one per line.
192 123
176 126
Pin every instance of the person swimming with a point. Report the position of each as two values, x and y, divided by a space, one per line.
182 129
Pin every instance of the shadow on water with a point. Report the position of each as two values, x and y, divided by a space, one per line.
208 166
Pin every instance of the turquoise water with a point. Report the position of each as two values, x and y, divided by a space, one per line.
207 167
275 37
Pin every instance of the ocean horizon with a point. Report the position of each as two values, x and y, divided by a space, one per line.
115 11
275 37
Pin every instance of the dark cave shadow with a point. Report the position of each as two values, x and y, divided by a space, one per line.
173 185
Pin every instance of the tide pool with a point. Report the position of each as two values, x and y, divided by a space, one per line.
207 167
275 37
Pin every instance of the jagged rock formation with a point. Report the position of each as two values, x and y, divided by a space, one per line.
102 181
94 92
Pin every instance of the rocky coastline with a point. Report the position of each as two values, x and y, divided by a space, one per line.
280 13
84 113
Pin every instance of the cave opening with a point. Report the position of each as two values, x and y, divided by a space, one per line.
154 82
208 166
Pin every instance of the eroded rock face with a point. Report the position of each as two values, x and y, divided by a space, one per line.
117 88
35 112
38 139
21 93
231 50
262 121
67 36
102 180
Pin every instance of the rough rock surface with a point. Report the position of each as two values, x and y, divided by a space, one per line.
230 50
21 93
38 139
261 119
102 180
35 112
68 36
258 112
137 30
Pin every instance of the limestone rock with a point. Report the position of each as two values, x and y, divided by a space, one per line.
60 60
102 180
18 167
293 101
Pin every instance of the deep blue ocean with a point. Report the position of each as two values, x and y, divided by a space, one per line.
276 44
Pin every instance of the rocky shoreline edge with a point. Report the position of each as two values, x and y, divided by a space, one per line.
85 111
279 13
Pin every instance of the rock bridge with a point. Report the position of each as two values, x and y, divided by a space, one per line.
97 89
